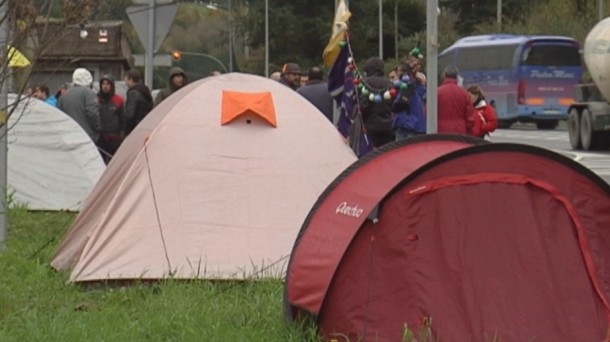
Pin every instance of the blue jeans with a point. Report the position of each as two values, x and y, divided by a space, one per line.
405 133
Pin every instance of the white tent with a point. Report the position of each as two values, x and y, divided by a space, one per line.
214 183
52 162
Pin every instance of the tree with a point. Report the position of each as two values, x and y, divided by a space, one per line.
24 31
472 13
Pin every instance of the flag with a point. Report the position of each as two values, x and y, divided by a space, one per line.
338 34
343 89
17 59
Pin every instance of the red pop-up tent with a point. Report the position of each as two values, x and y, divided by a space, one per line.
497 241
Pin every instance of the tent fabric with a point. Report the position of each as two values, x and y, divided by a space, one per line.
52 162
360 189
187 197
499 240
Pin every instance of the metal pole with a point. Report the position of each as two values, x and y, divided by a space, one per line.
4 79
230 38
4 127
432 67
150 53
267 38
396 29
381 29
600 4
499 15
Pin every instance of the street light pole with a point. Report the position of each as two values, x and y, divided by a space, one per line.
267 38
499 15
230 38
381 29
432 67
150 53
396 29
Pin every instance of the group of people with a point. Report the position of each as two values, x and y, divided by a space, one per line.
403 114
106 116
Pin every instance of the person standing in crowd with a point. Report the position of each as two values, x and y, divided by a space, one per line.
139 100
62 90
276 76
80 103
177 80
111 118
409 107
304 80
485 117
376 112
316 92
42 93
455 109
291 76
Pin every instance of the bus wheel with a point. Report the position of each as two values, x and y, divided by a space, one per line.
504 123
548 124
574 129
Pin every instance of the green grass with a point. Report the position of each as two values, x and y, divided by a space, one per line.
37 304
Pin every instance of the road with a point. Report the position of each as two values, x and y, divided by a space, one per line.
556 140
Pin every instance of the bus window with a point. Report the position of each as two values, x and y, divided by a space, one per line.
498 57
551 55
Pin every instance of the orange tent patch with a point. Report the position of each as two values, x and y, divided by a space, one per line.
236 104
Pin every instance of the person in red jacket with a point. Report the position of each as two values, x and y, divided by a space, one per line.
455 110
485 117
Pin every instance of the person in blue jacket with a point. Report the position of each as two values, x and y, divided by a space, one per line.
409 107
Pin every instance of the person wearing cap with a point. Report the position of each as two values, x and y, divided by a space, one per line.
80 103
111 118
291 76
177 80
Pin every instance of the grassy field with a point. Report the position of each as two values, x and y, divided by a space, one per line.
36 303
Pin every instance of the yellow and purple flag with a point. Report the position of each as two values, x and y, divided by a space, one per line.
342 83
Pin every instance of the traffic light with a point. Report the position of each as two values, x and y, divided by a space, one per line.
176 55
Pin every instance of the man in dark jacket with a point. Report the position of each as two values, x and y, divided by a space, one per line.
376 110
291 76
111 118
455 109
80 104
316 92
177 80
139 100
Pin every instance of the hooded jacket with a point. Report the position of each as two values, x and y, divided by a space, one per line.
377 116
485 119
139 104
111 109
80 103
455 110
172 88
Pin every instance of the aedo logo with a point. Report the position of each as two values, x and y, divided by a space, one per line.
344 209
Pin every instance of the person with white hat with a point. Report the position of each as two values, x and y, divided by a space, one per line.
80 103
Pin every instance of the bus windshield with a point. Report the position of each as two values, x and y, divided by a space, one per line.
545 54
